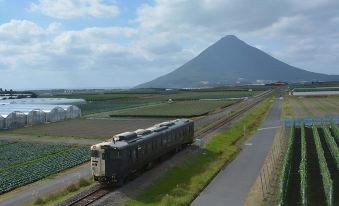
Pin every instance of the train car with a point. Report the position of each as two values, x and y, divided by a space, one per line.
130 152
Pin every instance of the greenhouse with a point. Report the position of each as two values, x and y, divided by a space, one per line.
73 112
56 114
2 122
36 116
19 115
16 119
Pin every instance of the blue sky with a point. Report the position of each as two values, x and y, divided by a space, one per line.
122 43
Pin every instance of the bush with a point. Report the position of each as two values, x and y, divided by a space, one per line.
39 201
83 182
72 188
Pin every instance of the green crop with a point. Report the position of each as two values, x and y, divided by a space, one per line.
23 163
303 167
332 145
286 168
325 173
335 130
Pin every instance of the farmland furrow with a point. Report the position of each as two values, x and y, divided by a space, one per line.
332 167
293 191
316 195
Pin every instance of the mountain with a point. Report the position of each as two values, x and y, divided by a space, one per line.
232 61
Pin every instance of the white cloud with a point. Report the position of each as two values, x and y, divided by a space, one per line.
302 29
92 56
68 9
167 33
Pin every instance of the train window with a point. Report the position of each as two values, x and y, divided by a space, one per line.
114 155
103 156
134 154
141 151
95 153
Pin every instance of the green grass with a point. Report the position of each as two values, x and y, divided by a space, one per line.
181 184
175 109
286 109
306 110
63 194
104 102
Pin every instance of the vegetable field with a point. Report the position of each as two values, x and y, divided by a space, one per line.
310 173
175 109
23 163
104 102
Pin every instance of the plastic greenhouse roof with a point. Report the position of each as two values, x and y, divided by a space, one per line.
6 109
41 101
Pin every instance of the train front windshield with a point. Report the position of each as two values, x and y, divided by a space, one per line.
95 153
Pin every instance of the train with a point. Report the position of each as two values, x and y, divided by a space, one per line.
126 154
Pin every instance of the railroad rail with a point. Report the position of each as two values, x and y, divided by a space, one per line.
98 191
94 193
233 116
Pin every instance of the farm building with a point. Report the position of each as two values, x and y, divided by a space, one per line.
36 116
20 115
56 114
73 112
2 122
16 119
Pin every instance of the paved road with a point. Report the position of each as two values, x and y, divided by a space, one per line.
232 184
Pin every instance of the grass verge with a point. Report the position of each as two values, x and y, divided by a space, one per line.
181 184
286 108
61 195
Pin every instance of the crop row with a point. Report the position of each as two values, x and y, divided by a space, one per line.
20 152
332 145
286 169
325 173
30 170
335 130
303 167
176 109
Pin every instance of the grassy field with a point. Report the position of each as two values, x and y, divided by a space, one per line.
102 102
299 107
174 109
180 184
101 129
22 163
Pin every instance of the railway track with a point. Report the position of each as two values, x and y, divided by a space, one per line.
98 191
233 116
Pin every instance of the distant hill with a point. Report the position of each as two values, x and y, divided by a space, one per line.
232 61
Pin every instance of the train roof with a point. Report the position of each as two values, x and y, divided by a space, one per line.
127 138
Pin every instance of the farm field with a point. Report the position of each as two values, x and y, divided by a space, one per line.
101 129
313 106
102 102
310 172
174 109
23 163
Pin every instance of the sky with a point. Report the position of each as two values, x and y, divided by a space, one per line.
122 43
